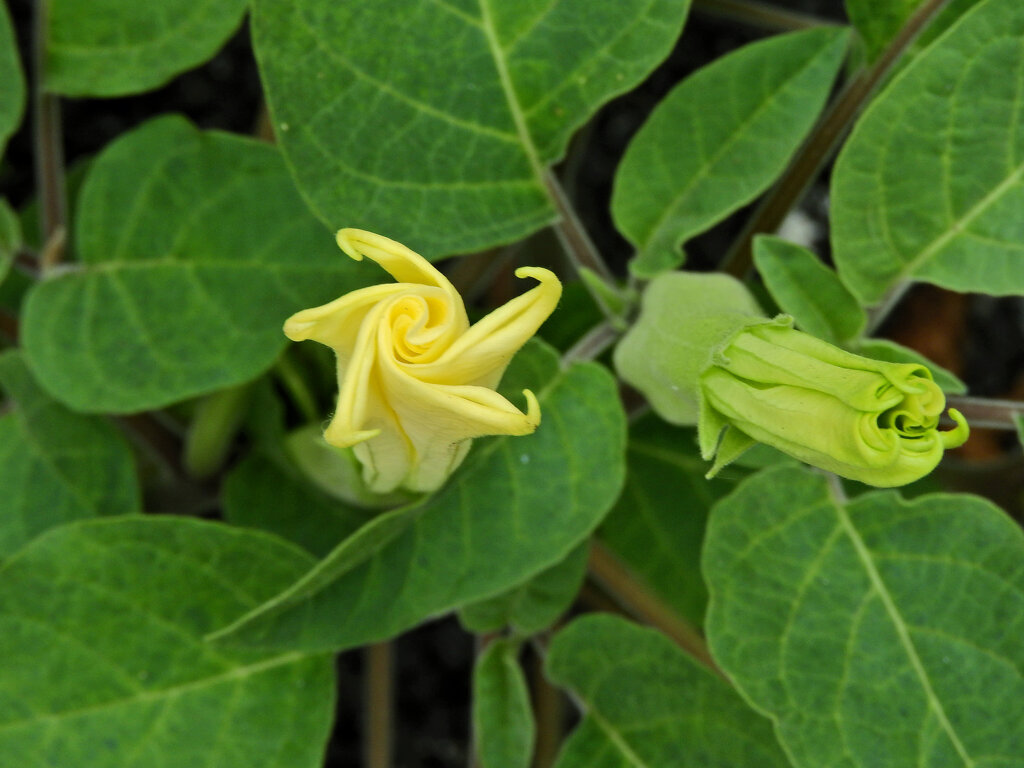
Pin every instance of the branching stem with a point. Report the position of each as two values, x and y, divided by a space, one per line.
823 141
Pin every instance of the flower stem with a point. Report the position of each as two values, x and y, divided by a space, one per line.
592 344
823 142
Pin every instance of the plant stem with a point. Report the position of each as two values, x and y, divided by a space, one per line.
622 585
758 14
988 414
379 695
48 148
823 141
592 344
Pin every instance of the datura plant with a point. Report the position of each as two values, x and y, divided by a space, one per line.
416 380
702 356
643 349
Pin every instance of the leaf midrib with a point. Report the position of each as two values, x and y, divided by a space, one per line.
864 555
238 673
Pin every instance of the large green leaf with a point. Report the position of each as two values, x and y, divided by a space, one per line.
534 605
808 290
432 122
503 726
930 184
657 526
719 139
118 47
875 632
648 705
56 465
517 506
258 493
101 627
12 92
196 248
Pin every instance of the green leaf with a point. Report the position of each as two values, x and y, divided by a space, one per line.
649 705
931 182
195 249
890 351
657 526
878 21
105 664
719 139
533 606
12 94
119 47
433 122
516 507
808 290
258 493
502 718
875 632
56 465
10 237
1019 421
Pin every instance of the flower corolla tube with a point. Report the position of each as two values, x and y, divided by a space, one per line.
416 381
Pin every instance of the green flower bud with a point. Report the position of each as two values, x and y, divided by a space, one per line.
754 379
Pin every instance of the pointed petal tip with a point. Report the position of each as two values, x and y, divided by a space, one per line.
957 436
347 238
532 408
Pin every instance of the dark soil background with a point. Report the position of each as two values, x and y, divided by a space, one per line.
981 338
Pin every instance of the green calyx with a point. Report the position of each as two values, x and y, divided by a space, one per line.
702 353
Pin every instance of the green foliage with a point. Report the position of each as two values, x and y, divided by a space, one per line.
534 605
119 47
445 138
12 93
194 249
719 139
55 465
502 719
259 493
808 290
516 507
947 211
657 526
105 664
10 237
648 705
878 21
875 632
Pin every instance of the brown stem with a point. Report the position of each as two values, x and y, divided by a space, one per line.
625 588
379 705
823 141
548 708
988 414
48 141
573 236
592 344
758 14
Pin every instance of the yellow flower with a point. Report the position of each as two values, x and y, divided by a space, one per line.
416 380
